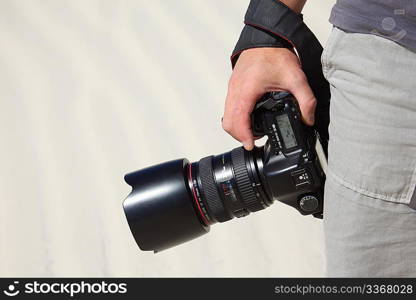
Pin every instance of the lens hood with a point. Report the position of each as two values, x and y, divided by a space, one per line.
159 209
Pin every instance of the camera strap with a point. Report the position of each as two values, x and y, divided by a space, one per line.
270 23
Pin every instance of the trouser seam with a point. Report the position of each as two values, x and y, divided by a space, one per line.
412 189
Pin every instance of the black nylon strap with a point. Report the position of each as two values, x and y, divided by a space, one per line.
252 37
275 19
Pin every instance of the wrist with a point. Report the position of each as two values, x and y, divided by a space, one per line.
295 5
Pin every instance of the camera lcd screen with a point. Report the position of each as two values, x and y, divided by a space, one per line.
286 131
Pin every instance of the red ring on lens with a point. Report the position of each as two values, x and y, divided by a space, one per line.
192 186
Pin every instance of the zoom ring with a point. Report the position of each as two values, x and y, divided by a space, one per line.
243 181
209 190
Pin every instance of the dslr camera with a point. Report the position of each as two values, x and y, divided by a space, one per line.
177 201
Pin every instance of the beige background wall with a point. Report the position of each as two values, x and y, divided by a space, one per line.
90 90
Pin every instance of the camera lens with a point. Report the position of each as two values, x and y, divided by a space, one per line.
177 201
227 186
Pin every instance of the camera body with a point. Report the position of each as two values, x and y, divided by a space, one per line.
291 170
176 201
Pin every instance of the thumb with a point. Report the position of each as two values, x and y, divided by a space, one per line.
306 99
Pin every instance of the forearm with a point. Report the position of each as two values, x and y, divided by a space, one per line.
295 5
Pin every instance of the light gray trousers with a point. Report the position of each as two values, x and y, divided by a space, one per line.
369 222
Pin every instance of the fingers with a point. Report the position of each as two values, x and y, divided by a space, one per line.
237 120
240 103
305 97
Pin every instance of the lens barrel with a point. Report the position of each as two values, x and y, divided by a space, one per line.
230 185
177 201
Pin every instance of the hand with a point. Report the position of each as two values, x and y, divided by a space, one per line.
261 70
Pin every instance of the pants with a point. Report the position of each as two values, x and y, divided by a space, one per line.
369 213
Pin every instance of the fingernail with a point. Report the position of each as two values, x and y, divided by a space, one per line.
248 146
312 119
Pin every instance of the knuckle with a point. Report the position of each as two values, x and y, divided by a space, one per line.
310 102
298 78
235 82
244 82
227 126
307 107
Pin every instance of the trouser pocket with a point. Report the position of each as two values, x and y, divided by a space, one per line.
372 147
